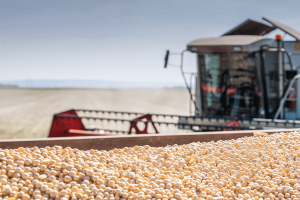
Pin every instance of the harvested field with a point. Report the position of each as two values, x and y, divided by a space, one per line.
27 113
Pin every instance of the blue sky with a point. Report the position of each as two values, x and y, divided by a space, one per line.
118 40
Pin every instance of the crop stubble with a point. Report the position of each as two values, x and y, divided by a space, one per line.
27 113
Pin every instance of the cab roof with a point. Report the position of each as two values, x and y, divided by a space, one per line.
227 40
246 37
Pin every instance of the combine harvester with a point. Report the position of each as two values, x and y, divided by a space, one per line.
244 81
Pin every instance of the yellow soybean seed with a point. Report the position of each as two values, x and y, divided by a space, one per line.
259 167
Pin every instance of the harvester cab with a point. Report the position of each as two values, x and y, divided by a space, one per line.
244 75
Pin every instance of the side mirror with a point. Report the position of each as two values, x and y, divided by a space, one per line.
166 58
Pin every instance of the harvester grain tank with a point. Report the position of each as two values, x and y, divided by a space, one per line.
244 80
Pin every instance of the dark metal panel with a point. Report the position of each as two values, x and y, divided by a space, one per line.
265 94
250 27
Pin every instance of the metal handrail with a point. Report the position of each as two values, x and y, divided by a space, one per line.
194 97
185 81
282 101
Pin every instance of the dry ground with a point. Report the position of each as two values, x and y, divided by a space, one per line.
27 113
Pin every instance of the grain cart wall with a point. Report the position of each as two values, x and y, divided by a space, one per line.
121 141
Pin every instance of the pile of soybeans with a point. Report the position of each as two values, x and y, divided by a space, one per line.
259 167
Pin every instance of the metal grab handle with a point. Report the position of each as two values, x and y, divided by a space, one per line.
290 59
186 83
282 101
